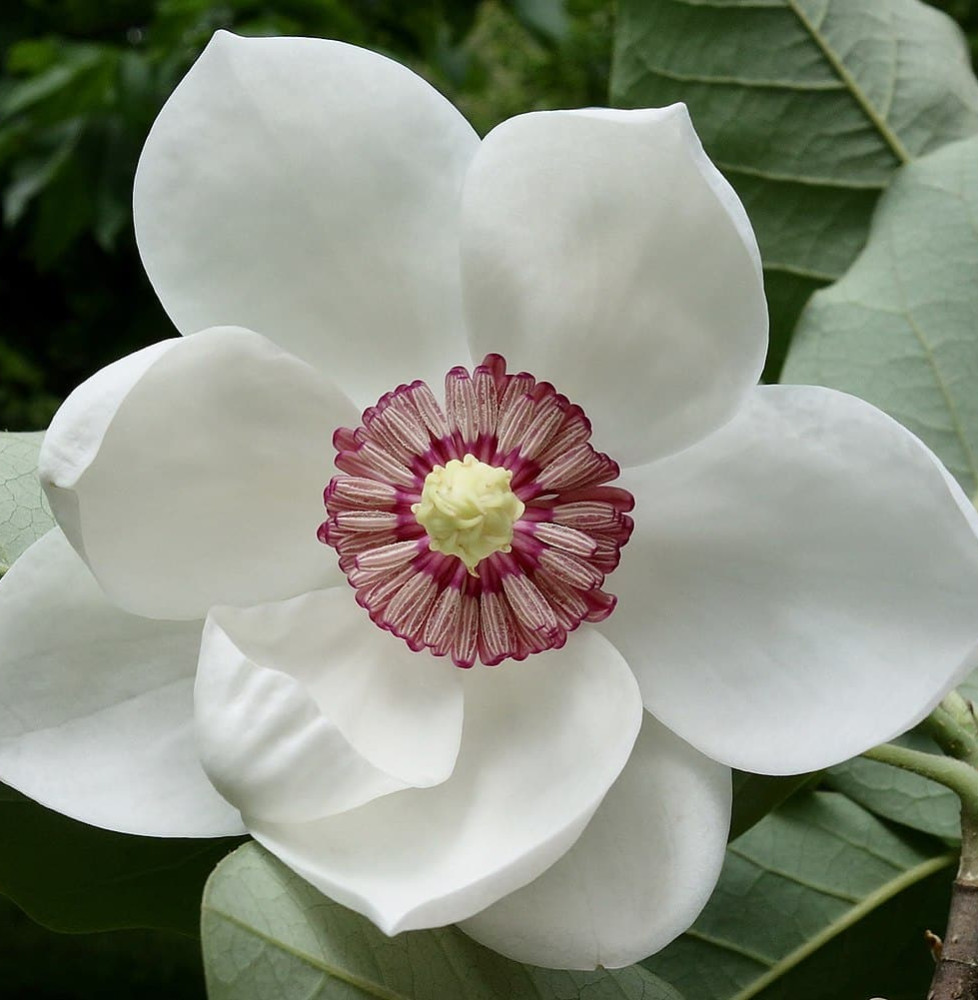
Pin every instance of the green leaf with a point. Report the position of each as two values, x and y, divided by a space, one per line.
808 107
72 877
755 795
801 894
31 175
905 798
39 964
899 328
32 56
268 934
24 511
73 64
897 795
548 17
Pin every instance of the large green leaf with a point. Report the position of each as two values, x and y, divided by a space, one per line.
801 894
898 795
38 964
755 795
268 934
24 511
72 877
899 328
808 106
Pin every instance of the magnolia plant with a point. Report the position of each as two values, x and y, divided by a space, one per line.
451 548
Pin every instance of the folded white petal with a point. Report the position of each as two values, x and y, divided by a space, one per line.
543 741
192 472
639 875
309 189
800 586
305 708
96 705
602 251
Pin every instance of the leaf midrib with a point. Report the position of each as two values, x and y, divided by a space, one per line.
852 916
848 81
370 988
839 68
957 427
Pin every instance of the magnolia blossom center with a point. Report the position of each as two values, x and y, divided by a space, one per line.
468 510
481 529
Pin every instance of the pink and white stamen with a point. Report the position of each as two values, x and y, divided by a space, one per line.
529 594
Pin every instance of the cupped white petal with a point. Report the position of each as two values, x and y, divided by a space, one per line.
191 474
800 586
96 705
305 708
639 875
309 189
602 251
543 741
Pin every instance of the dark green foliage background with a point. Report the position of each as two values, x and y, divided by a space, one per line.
82 81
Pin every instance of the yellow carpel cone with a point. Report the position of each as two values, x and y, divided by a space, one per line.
468 510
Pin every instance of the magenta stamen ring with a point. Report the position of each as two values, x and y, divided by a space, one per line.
518 455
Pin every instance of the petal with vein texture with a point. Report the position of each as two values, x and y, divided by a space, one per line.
602 251
191 474
639 875
309 189
800 586
543 741
305 708
96 705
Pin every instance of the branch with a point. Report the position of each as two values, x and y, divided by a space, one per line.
952 727
960 777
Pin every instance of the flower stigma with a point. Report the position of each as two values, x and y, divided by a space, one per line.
468 510
481 529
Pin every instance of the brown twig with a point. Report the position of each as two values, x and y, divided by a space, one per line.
956 972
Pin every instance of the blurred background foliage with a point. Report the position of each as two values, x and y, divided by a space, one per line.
82 81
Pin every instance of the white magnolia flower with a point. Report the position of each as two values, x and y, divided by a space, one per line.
800 584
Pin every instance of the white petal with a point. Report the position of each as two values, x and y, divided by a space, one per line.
638 877
191 473
309 189
602 251
543 741
96 705
800 586
305 708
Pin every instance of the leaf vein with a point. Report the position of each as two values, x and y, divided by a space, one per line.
731 946
315 962
800 179
876 120
822 890
739 81
885 892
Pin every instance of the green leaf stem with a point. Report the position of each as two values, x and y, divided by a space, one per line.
900 796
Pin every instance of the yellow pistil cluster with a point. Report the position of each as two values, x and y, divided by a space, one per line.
468 510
